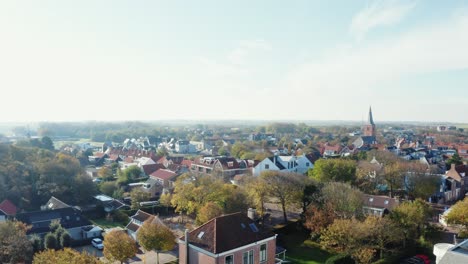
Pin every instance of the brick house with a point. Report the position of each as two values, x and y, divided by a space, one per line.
228 239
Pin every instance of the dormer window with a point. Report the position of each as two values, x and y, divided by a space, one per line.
371 199
230 164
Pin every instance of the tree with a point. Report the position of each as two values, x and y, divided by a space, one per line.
411 217
118 246
318 219
156 236
106 173
455 159
326 170
66 255
208 211
257 192
458 215
108 187
36 243
287 188
165 200
394 176
47 143
50 241
138 196
15 247
222 151
421 185
344 200
238 149
65 240
383 232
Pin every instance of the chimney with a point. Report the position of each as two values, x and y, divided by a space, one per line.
452 166
251 214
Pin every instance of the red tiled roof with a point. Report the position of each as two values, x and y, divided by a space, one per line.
227 232
151 168
8 207
99 154
186 162
163 174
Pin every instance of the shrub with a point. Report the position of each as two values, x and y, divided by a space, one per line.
340 259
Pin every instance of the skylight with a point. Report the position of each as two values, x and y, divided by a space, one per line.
242 224
201 235
386 201
371 199
253 227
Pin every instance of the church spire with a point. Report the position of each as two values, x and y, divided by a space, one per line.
370 119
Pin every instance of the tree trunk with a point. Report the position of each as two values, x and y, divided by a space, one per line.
283 205
157 257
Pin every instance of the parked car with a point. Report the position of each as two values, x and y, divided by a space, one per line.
418 259
97 243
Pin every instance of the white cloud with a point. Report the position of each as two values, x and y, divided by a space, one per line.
379 13
357 73
246 50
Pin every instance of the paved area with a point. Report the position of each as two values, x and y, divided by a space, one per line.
141 257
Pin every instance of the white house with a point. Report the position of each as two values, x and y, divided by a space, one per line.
298 164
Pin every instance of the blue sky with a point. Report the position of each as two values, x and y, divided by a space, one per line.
298 60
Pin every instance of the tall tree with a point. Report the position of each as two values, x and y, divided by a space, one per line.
156 236
286 188
344 200
208 211
118 246
257 193
458 215
411 217
326 170
14 244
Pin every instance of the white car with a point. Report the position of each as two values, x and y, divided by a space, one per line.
97 243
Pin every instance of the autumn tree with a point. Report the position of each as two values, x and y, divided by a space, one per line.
318 219
118 246
411 216
208 211
382 233
105 173
257 193
65 256
286 188
156 236
326 170
458 215
14 244
342 199
138 196
420 184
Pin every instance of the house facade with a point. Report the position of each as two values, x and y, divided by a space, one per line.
378 205
137 220
298 164
228 239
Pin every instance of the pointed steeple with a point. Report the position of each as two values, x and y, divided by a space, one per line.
370 119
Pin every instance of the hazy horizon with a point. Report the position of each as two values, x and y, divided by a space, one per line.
210 60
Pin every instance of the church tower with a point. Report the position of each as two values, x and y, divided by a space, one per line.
369 129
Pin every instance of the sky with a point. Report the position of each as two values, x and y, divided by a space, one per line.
235 60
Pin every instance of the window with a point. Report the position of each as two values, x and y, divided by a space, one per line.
263 252
267 166
229 259
307 164
248 257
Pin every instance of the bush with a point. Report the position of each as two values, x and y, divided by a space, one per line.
340 259
50 241
120 216
65 240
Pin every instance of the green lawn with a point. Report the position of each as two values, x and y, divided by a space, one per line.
103 223
301 250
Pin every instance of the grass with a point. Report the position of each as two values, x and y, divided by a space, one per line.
103 223
301 250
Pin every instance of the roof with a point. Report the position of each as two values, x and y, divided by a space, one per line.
55 203
453 173
277 163
40 220
132 227
163 174
150 168
456 254
227 232
380 201
142 216
8 208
